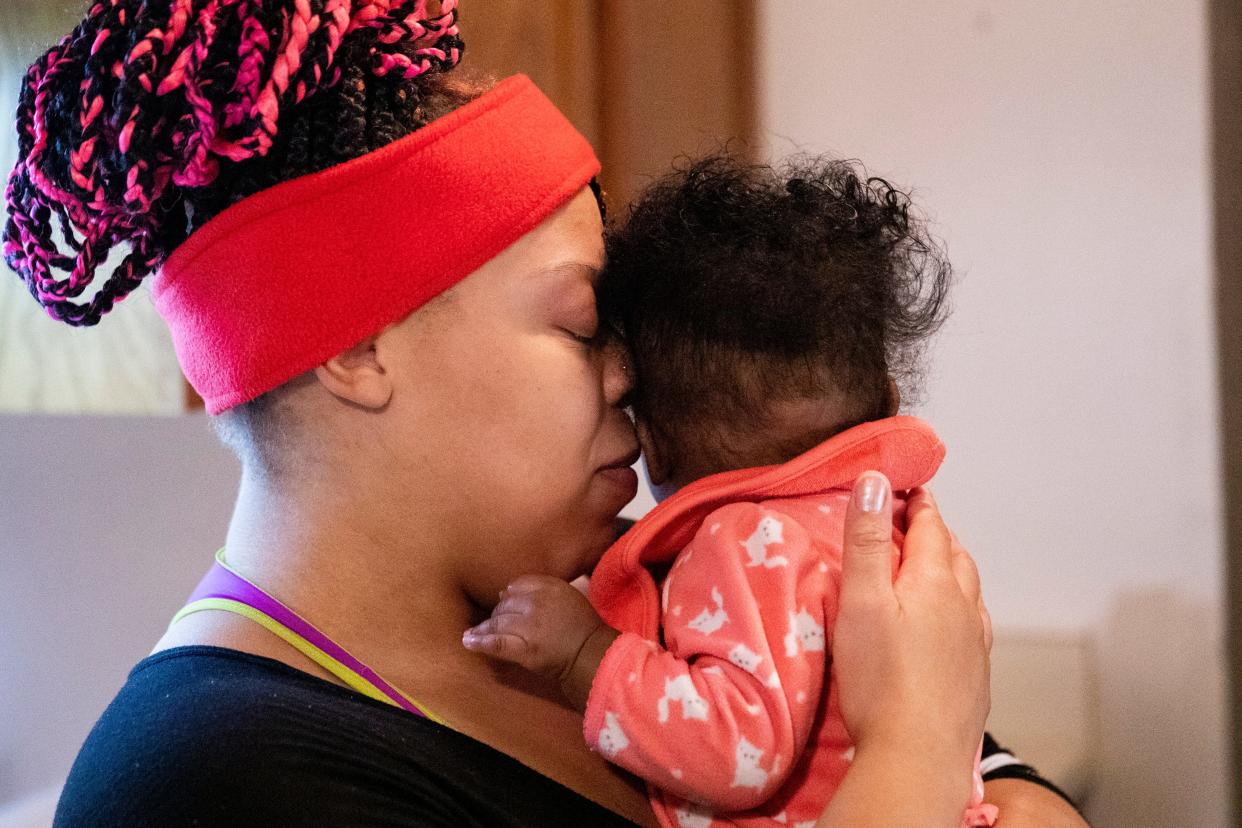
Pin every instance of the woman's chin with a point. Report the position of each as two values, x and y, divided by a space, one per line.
592 550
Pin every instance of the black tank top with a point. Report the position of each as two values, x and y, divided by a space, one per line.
208 736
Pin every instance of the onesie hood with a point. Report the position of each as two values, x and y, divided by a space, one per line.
623 590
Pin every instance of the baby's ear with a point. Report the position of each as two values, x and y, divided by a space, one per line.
657 465
892 398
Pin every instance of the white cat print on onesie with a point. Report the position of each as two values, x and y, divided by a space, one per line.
770 531
709 621
681 689
612 739
690 815
745 657
803 629
747 773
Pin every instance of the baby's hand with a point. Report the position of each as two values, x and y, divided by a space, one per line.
544 624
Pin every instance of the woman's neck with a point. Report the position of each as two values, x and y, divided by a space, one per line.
394 603
378 591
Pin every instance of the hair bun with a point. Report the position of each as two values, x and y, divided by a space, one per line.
146 98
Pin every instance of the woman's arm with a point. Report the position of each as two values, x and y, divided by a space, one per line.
911 661
1027 798
1029 805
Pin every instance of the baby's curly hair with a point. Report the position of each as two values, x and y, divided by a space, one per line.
738 285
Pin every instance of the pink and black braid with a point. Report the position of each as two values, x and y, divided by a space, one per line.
152 116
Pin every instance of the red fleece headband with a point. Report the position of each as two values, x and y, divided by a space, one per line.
286 279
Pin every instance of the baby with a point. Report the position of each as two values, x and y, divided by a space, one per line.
771 316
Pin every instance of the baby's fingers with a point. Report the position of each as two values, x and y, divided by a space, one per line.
517 605
527 584
499 637
502 646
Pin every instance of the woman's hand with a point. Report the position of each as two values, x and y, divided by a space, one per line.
910 660
910 657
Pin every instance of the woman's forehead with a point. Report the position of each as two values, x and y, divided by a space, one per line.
567 285
565 250
574 232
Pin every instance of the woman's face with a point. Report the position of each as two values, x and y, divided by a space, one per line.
506 409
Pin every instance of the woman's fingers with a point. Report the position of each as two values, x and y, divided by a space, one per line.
966 572
987 625
928 546
867 559
908 655
933 545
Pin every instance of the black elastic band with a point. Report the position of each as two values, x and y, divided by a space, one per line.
1018 770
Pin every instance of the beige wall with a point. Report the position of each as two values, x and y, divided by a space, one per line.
1062 149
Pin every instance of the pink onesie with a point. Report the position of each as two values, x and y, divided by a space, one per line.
715 692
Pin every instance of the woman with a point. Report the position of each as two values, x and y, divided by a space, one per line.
379 278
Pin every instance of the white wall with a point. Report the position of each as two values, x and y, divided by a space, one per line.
1062 149
107 524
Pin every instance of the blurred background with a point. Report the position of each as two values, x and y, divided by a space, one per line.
1083 163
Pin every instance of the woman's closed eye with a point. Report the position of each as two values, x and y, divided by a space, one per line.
582 327
584 336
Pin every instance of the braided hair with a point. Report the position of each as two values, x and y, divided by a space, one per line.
152 116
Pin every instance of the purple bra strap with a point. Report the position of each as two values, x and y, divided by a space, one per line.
220 582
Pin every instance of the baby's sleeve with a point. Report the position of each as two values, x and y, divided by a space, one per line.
721 714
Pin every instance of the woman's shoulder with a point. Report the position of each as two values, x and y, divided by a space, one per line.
218 736
245 702
208 735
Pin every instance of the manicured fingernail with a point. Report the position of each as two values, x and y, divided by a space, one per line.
871 492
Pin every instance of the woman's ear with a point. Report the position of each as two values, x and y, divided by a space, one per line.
357 375
892 399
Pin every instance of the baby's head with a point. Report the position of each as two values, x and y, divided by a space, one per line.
768 309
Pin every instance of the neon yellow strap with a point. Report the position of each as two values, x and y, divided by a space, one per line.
299 643
350 677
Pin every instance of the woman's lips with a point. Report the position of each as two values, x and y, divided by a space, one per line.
623 478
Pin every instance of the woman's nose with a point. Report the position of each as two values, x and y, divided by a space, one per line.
618 371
